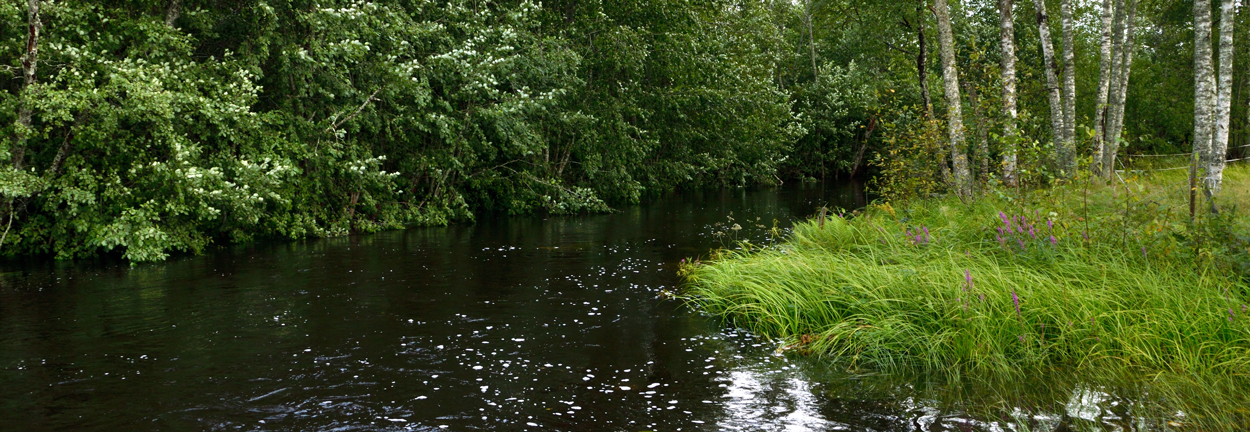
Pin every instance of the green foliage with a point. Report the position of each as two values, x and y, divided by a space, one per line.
246 120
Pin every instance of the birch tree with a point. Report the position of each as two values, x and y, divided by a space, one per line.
1204 90
1121 68
1007 41
922 60
1067 152
1223 104
954 116
1104 84
30 68
1052 82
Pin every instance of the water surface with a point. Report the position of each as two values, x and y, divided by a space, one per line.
557 323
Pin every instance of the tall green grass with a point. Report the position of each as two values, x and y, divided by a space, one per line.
1081 277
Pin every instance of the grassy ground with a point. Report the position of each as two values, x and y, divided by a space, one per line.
1082 277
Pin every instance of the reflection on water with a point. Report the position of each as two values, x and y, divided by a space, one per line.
526 323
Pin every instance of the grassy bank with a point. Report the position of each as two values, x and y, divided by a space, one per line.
1082 277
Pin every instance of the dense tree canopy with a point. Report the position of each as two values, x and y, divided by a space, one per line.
150 126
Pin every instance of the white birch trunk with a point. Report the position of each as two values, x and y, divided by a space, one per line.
1117 76
1067 160
954 114
1204 91
1104 84
1122 80
1007 35
1052 82
30 68
1224 101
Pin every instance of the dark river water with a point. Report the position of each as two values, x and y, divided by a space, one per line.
528 323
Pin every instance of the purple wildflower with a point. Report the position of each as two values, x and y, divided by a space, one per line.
1031 233
1022 338
1003 216
1021 243
968 277
1016 300
1050 225
1243 308
926 233
982 297
1086 235
1231 315
1053 240
1143 252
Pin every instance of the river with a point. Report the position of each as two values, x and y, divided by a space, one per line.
523 323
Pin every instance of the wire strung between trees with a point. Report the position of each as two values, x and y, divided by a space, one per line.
1173 168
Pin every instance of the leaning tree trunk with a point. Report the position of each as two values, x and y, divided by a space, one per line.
1115 90
811 40
954 115
30 65
1126 69
1068 155
1204 90
173 12
1224 101
1104 84
1052 83
922 60
1007 35
981 158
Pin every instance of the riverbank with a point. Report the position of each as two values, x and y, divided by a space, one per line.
1082 277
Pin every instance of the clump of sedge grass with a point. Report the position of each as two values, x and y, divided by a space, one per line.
1080 277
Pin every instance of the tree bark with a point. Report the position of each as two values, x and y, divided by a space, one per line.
1104 84
1224 98
30 67
1117 67
922 60
811 40
954 114
1126 69
173 12
981 158
1007 36
1068 156
1204 90
1052 84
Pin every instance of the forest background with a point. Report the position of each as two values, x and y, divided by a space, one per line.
142 128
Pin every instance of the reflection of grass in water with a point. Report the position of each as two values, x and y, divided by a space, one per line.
1011 286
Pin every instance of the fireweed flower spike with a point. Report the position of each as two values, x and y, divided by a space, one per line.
968 277
1016 300
1050 225
1053 241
